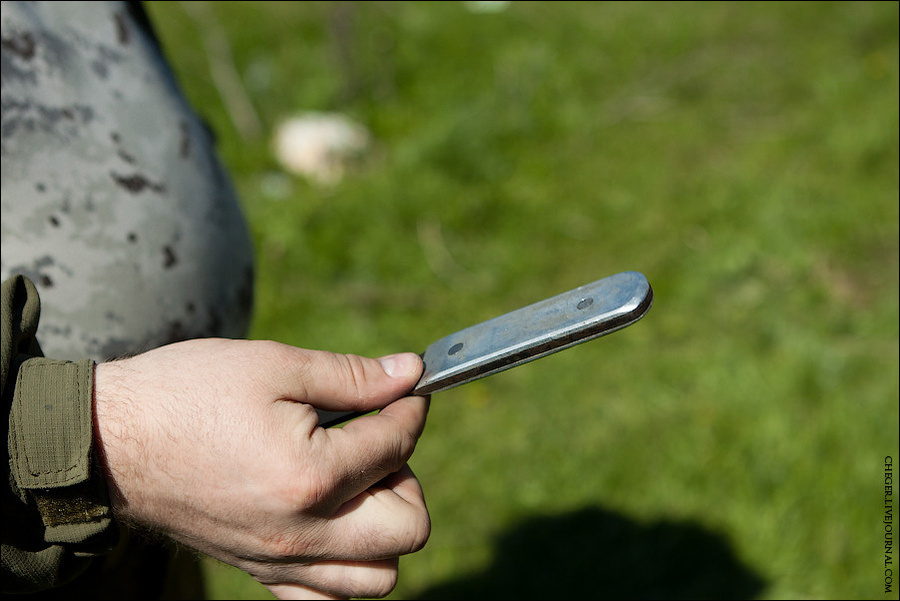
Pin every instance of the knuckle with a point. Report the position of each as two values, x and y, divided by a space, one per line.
401 450
281 547
353 371
370 582
421 531
266 349
301 492
381 583
311 490
402 447
403 537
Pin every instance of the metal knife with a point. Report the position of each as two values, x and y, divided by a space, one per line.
526 334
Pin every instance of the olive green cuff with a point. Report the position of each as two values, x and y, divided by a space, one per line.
51 432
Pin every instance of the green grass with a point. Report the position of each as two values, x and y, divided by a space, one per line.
744 156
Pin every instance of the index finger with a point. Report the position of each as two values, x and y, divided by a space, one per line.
374 446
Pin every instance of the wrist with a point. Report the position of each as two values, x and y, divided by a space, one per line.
114 431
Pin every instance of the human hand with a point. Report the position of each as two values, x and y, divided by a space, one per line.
215 443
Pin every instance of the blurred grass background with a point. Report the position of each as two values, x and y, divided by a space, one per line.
744 156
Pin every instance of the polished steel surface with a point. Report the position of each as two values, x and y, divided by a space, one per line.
526 334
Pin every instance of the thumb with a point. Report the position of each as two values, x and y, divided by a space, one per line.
337 382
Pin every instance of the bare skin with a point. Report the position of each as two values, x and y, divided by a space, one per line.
216 444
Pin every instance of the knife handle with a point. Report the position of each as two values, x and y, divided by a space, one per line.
529 333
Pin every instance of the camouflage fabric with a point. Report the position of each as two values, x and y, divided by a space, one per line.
115 205
113 201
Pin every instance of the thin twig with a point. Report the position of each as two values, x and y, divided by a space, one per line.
438 257
224 73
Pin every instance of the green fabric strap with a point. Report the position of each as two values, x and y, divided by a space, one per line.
50 443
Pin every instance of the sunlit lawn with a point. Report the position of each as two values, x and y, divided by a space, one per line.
744 156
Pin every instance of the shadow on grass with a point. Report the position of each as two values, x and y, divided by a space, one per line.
598 554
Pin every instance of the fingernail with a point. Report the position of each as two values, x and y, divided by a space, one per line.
399 365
